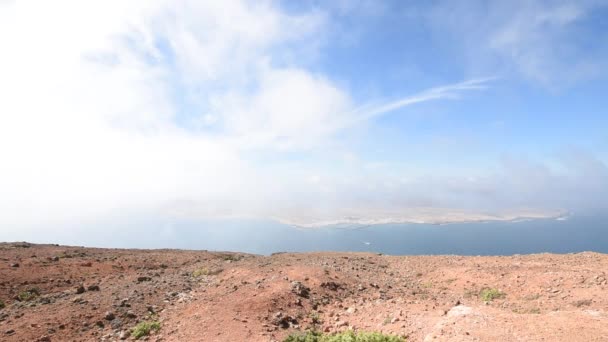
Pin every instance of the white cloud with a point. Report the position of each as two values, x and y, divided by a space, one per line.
139 106
291 108
81 138
92 95
536 40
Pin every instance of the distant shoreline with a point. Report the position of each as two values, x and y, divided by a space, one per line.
427 218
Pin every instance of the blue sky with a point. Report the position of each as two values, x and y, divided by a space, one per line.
284 108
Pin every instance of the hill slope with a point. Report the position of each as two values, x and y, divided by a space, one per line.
58 293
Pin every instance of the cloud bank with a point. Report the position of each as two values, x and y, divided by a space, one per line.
206 109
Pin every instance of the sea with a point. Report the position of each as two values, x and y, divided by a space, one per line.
575 233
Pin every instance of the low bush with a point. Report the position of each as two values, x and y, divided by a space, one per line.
28 294
315 318
315 336
231 257
207 272
144 329
488 295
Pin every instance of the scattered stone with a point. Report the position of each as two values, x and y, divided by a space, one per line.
9 332
341 324
86 264
15 265
93 288
331 285
344 300
116 324
284 321
300 289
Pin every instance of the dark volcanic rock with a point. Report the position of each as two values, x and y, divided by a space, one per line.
143 278
93 288
331 285
109 316
284 321
300 289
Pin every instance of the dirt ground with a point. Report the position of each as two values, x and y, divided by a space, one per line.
59 293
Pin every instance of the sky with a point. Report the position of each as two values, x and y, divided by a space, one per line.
283 108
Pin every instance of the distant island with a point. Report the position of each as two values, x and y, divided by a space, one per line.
412 215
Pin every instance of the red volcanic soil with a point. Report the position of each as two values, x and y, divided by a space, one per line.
59 293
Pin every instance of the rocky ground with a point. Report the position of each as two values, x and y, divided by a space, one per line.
59 293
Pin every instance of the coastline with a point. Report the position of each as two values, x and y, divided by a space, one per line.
426 216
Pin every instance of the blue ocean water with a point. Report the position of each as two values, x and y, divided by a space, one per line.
576 234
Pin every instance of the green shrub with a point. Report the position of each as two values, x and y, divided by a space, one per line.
231 257
205 271
315 318
315 336
488 295
29 294
2 305
144 329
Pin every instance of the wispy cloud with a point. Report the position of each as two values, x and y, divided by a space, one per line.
328 111
450 91
534 40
